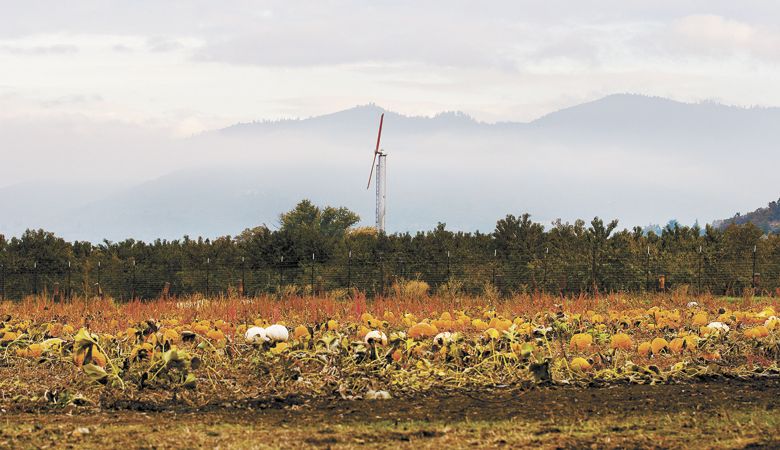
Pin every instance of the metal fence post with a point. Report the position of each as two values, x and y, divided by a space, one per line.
544 271
132 287
312 275
281 273
381 277
35 278
99 288
753 278
208 275
493 268
170 280
647 270
243 277
700 258
349 271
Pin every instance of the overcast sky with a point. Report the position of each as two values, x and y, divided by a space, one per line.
181 67
108 95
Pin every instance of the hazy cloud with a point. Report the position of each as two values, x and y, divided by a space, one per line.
39 49
712 35
72 100
162 44
122 48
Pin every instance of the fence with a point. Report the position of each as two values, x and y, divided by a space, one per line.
557 274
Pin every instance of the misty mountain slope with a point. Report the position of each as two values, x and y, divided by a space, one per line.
198 202
634 119
47 204
639 159
359 119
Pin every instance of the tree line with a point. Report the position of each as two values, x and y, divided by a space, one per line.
320 249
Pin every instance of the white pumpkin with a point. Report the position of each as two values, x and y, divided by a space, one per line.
375 337
255 335
719 326
277 333
443 338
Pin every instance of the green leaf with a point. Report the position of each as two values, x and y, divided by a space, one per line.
190 381
95 373
83 338
170 355
526 350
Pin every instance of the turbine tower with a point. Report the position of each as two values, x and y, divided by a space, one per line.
380 162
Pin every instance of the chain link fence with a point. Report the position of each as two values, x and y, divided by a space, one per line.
649 271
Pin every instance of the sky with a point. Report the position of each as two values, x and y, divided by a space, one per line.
116 92
182 67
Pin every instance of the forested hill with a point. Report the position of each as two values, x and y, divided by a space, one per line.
768 218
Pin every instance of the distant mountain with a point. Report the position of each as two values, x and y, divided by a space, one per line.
708 130
768 219
362 118
48 205
639 159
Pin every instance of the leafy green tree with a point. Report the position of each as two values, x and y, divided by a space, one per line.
597 236
518 243
518 255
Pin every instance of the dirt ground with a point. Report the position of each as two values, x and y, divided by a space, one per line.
717 414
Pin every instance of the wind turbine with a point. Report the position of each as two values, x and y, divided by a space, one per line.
381 179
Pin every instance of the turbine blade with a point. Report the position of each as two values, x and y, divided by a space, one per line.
379 136
373 163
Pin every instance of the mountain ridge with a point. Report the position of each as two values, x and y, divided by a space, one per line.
638 158
637 100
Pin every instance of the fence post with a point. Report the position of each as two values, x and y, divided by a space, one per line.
242 292
170 280
208 275
281 273
2 282
381 277
544 264
647 270
35 278
99 287
493 268
701 258
132 284
448 265
68 290
312 275
593 275
349 272
753 278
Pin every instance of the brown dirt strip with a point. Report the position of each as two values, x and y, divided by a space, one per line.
553 408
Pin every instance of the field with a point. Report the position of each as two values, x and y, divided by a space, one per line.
665 371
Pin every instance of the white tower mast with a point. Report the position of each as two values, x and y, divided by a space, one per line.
381 179
381 190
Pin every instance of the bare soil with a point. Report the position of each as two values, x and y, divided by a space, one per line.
713 414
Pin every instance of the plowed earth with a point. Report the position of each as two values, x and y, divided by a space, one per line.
726 413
